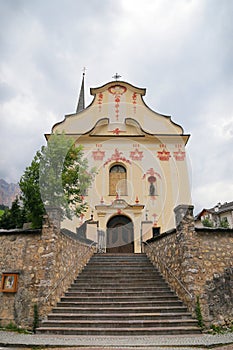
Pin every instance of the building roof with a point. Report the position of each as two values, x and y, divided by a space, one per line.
217 209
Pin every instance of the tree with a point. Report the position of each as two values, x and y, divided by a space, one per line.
30 189
5 220
58 176
14 217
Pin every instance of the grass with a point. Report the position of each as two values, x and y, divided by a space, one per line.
220 330
11 327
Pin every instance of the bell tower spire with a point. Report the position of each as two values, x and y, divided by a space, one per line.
81 100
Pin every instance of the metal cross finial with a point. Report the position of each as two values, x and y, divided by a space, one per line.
116 76
84 70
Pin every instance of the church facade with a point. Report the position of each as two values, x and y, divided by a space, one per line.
141 182
141 163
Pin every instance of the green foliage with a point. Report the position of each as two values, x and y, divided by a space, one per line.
11 327
1 212
207 223
14 217
224 223
199 313
30 188
64 176
217 329
35 318
58 176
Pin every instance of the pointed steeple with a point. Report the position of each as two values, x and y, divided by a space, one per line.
81 100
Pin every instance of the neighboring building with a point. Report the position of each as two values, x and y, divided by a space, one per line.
141 161
221 215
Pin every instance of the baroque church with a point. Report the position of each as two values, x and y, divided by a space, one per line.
140 157
139 202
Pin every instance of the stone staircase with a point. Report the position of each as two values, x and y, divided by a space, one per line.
119 295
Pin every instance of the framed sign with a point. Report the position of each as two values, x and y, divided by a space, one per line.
9 282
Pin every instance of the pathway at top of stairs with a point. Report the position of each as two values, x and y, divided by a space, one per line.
119 294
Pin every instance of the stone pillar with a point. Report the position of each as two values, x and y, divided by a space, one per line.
184 218
54 215
188 249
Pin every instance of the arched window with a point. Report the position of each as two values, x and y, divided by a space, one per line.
117 180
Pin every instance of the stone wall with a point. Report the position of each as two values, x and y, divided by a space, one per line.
166 254
47 262
214 280
201 259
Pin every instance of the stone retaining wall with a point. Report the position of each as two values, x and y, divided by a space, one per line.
47 262
201 259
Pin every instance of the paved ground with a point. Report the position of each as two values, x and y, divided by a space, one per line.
17 341
228 347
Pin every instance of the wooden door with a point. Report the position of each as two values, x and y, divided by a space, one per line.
120 237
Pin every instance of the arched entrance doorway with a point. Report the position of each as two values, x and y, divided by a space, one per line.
120 236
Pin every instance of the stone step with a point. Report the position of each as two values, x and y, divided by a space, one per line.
120 331
119 298
131 303
123 264
116 289
80 309
121 276
123 285
119 272
119 295
122 293
123 279
119 316
131 323
119 256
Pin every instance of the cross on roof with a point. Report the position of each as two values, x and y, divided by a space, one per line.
84 70
117 76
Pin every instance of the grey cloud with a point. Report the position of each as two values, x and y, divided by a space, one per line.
6 92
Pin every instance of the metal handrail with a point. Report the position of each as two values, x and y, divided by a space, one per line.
61 279
171 273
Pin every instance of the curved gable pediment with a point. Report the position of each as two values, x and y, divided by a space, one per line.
118 107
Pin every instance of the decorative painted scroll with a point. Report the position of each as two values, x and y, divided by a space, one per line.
136 154
100 100
151 172
134 101
117 131
117 91
98 154
163 155
180 154
117 156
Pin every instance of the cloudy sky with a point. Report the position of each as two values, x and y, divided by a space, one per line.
180 50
